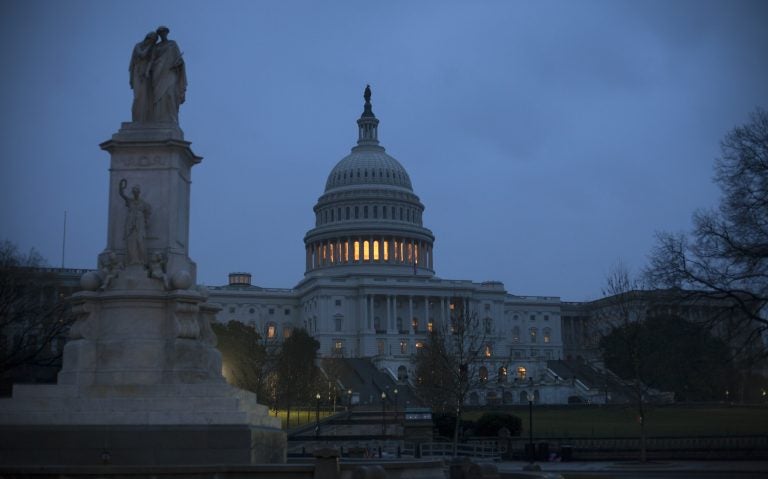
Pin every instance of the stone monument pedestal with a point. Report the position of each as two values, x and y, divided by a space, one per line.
141 381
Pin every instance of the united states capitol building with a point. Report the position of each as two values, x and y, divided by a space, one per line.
370 289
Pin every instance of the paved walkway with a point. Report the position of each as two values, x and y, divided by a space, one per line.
654 466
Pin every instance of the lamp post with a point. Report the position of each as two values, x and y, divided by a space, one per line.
395 391
349 402
531 450
383 412
317 416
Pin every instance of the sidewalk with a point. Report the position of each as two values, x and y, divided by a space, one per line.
651 466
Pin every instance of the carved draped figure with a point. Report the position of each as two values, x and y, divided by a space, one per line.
141 110
169 81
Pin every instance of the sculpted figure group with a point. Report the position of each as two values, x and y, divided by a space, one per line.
158 78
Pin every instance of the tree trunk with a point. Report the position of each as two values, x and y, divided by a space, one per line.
456 432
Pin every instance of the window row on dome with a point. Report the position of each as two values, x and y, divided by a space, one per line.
363 173
348 213
390 250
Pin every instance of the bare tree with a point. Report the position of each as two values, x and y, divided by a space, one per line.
449 363
726 255
618 326
34 314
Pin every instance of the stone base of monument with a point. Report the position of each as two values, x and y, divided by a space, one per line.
137 425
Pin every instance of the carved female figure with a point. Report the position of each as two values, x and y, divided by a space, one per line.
139 80
136 222
169 78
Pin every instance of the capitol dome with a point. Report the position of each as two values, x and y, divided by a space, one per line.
369 220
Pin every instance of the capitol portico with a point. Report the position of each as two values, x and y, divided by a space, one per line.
370 288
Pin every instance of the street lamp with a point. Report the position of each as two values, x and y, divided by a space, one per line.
349 402
383 412
531 453
395 391
317 416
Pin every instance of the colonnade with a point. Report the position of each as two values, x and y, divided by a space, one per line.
370 249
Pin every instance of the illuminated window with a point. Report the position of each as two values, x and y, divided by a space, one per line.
376 250
410 252
380 347
338 346
403 346
346 251
488 350
366 251
416 254
533 332
287 332
271 331
430 325
415 325
386 249
330 252
357 250
547 335
502 374
483 374
521 372
452 306
402 258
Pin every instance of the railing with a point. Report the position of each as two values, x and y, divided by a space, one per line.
483 451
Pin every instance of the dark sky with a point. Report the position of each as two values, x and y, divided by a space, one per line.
548 140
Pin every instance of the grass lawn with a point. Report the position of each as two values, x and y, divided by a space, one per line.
617 421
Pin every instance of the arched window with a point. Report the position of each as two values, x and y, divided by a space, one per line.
430 325
533 332
516 334
375 211
547 335
502 374
271 330
366 251
357 211
287 331
365 211
376 250
357 250
523 396
384 212
483 374
402 373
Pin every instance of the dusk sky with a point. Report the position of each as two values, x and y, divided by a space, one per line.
547 139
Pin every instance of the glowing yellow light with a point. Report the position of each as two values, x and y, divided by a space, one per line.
375 250
366 251
357 251
386 251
